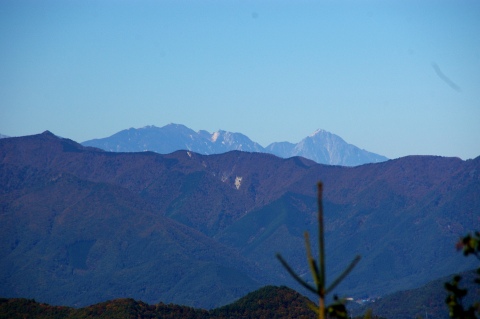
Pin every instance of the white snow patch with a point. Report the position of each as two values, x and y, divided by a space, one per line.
189 154
316 132
238 181
215 136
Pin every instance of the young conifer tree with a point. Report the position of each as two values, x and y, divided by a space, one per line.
320 288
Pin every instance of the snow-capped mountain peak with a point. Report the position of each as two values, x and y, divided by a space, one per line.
318 131
321 146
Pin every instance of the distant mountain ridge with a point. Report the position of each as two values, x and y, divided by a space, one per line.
322 147
325 148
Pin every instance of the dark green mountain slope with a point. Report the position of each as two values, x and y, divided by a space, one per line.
74 242
427 301
80 225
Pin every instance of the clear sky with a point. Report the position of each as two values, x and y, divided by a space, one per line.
393 77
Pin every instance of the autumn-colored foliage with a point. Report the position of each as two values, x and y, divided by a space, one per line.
470 245
268 302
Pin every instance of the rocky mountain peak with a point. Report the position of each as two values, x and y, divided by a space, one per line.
321 146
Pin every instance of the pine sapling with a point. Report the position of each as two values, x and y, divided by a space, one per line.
337 309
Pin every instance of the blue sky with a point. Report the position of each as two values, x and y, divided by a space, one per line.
393 77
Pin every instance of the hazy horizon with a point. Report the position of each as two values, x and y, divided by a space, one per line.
395 78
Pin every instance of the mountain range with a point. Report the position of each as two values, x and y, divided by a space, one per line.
81 225
321 146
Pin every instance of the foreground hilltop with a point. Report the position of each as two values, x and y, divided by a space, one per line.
80 225
267 302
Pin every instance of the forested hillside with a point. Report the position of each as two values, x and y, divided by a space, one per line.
80 226
269 302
